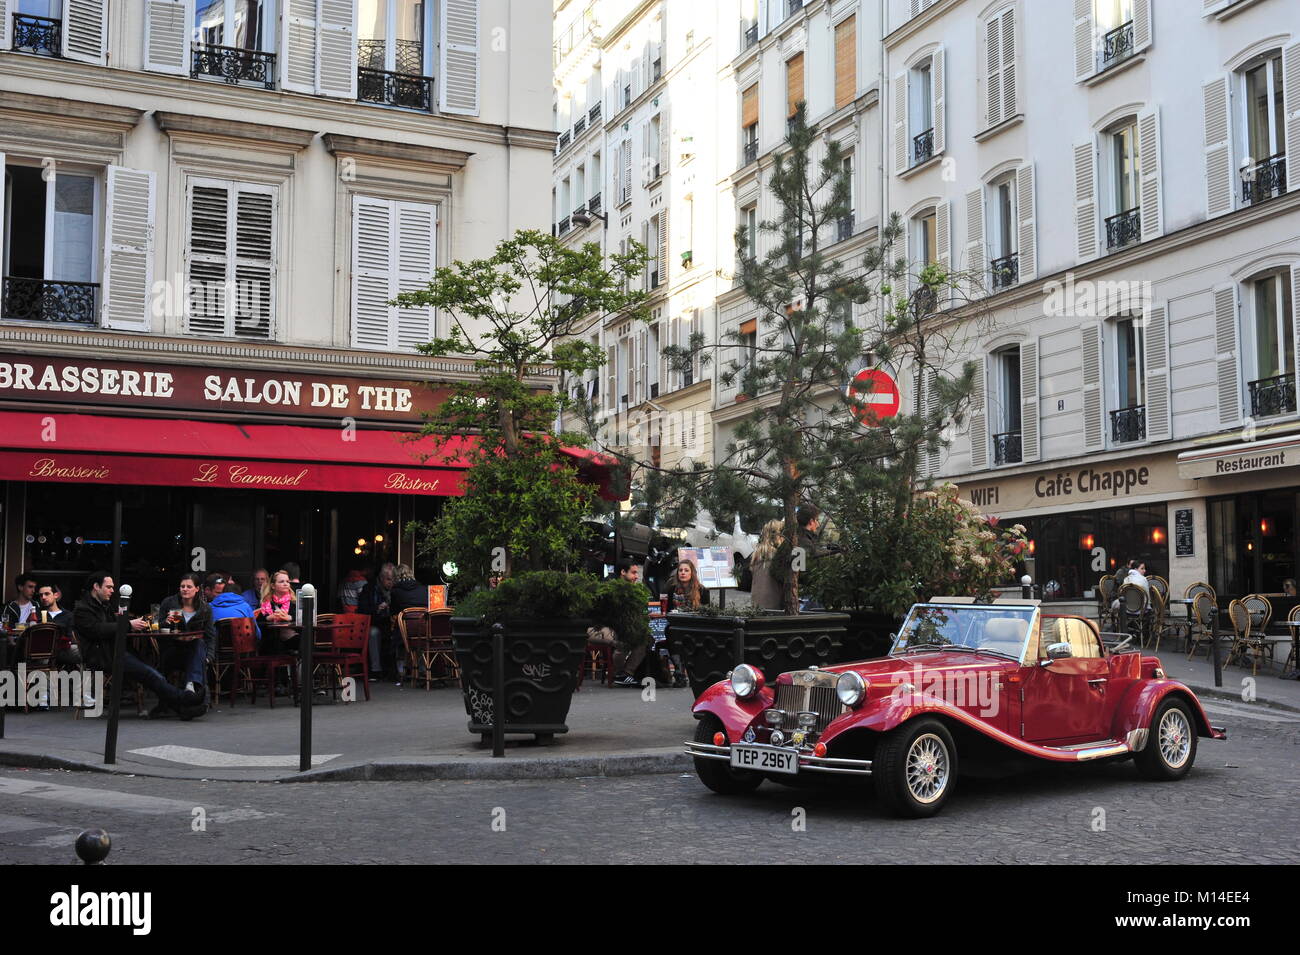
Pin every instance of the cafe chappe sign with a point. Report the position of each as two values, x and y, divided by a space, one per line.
196 388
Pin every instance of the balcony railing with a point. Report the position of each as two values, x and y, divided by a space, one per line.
394 89
563 144
38 300
792 7
843 227
1128 424
234 65
1006 271
1270 396
922 146
408 56
750 152
593 114
751 36
579 125
1117 44
1264 180
564 225
1006 448
41 35
1123 228
593 204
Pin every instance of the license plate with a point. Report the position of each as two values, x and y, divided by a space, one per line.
768 759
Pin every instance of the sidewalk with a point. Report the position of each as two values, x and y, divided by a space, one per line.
411 733
407 733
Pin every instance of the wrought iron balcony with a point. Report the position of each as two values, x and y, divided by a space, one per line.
564 225
42 35
843 227
563 144
593 204
408 56
1117 44
1264 180
751 152
751 36
234 65
39 300
922 146
1006 448
1128 424
1123 228
579 125
593 114
1270 396
1006 271
394 89
792 7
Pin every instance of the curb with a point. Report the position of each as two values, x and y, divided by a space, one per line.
565 767
1228 696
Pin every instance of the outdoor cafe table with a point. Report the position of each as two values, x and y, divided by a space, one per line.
1295 647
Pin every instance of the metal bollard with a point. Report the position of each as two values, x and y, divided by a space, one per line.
498 689
1214 646
93 846
115 691
306 695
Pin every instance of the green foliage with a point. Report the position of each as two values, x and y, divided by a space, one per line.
936 544
552 595
746 612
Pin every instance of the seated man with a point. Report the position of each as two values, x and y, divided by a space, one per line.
253 595
66 652
96 622
625 661
21 610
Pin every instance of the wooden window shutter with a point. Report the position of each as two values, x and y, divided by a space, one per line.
611 377
1085 56
793 83
415 244
128 248
1009 64
1295 312
1149 204
902 146
975 241
1155 352
749 326
1141 25
1026 224
993 72
846 61
663 247
460 57
1215 98
943 246
253 311
6 8
336 56
207 256
1085 199
938 109
1291 112
979 428
299 38
166 35
1227 365
1029 404
85 31
749 106
1094 435
372 271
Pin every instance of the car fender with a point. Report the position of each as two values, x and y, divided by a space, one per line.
889 712
720 700
1139 704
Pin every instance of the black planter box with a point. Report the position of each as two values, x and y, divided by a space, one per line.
541 670
710 647
868 635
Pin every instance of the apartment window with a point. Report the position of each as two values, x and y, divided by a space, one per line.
1006 410
653 146
653 238
748 358
921 99
233 41
846 61
652 361
1115 27
393 54
38 27
1004 265
393 250
230 255
925 246
626 90
844 225
749 221
624 370
1123 169
1263 169
749 124
625 190
51 248
794 94
579 189
1272 338
1128 420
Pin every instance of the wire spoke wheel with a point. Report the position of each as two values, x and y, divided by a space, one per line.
927 768
1174 738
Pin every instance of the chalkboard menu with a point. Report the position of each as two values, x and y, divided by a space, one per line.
1183 532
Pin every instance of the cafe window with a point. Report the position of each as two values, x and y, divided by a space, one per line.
1066 549
1253 542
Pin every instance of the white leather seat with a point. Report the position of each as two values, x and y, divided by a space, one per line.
1005 633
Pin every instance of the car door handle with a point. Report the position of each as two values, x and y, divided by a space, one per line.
1101 679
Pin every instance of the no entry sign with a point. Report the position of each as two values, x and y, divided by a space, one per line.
874 396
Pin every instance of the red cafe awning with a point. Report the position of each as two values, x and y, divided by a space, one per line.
102 449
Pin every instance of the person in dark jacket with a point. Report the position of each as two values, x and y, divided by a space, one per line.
407 593
187 610
48 596
375 601
96 623
21 610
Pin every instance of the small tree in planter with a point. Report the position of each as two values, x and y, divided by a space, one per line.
806 432
515 314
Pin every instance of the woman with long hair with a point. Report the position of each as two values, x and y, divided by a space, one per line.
187 611
684 594
765 590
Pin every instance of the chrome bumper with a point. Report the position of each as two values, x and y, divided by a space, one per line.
807 761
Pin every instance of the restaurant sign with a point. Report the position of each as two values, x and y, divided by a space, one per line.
91 468
1240 458
198 388
1098 482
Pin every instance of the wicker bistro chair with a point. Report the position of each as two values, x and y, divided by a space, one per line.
1202 631
1249 641
1291 662
413 627
1261 611
1200 587
1105 598
40 646
1134 608
1160 623
1159 585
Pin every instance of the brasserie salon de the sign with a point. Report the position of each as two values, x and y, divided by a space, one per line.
197 388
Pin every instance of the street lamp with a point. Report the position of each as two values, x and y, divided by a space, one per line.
584 219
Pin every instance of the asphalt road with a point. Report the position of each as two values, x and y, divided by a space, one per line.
1239 805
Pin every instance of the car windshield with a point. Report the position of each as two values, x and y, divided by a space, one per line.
997 629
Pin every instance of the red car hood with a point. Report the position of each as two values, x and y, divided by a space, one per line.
898 669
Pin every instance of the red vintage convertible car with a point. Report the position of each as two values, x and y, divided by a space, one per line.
986 681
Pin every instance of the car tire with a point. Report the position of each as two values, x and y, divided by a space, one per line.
1171 742
915 768
714 773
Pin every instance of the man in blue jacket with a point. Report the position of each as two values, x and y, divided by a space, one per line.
231 604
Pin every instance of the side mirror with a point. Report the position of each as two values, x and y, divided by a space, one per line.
1057 651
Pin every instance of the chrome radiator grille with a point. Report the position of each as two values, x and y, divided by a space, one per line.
819 699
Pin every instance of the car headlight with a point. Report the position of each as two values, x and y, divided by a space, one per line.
746 681
851 688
